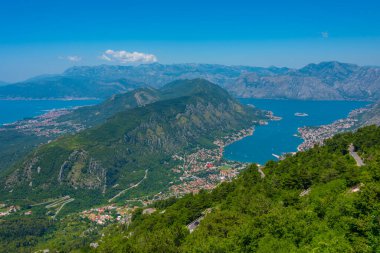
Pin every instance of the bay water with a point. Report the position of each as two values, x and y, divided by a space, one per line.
13 110
278 136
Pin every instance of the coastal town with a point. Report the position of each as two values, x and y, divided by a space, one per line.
206 168
316 135
45 125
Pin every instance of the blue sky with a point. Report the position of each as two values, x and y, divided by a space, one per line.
44 36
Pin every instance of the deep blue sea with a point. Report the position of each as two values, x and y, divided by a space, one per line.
277 137
13 110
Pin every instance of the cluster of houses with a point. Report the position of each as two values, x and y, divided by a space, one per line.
108 214
46 124
316 135
8 210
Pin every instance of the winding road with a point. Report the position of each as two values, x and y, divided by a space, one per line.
63 204
359 161
133 186
260 169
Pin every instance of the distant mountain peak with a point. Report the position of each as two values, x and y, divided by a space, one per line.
329 71
187 87
329 65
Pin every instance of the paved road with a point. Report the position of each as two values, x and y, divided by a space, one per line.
52 201
58 202
133 186
63 204
193 225
261 171
359 161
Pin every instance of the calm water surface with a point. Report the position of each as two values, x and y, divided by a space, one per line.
278 136
275 138
13 110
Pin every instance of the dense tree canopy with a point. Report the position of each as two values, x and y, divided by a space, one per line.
314 201
337 212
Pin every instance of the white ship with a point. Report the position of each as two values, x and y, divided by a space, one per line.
301 114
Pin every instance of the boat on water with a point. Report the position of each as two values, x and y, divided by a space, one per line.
301 114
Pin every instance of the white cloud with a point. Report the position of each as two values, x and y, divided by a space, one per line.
72 58
127 57
325 35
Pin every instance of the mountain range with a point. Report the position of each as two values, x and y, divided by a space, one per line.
323 81
151 137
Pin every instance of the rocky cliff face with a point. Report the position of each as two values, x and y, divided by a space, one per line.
78 170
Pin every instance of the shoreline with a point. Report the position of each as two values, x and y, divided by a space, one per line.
43 112
50 99
316 135
205 168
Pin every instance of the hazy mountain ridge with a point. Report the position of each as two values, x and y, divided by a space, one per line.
66 87
323 81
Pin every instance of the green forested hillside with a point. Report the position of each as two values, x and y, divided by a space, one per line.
16 142
315 201
90 116
96 164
